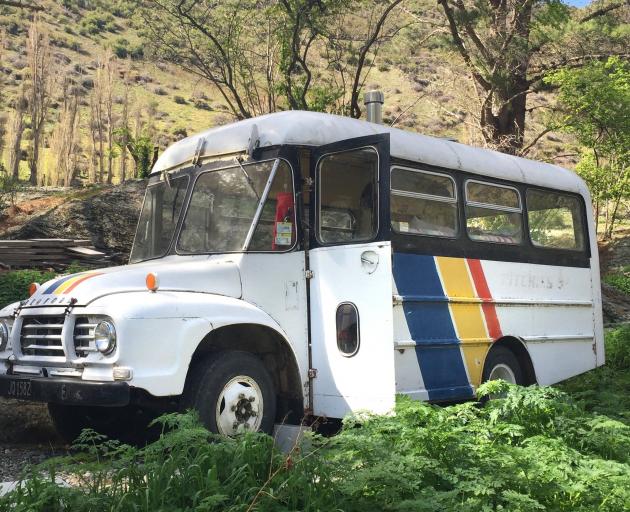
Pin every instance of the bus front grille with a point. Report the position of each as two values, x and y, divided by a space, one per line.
41 336
84 336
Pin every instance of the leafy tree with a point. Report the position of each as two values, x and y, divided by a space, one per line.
141 149
595 107
509 47
264 56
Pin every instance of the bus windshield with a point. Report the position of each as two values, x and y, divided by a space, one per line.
158 219
224 213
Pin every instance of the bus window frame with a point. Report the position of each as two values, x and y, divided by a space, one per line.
496 207
225 164
318 201
463 247
583 221
418 195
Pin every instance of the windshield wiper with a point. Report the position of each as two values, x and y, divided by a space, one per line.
250 182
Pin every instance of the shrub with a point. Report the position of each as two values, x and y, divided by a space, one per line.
14 284
533 450
180 100
618 348
620 280
96 22
9 188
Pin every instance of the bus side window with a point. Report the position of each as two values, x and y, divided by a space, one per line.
493 213
423 203
555 220
348 196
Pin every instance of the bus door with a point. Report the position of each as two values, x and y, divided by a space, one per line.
351 285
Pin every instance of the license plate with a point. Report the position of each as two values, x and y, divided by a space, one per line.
19 389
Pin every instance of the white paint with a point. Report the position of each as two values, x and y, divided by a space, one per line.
364 381
316 129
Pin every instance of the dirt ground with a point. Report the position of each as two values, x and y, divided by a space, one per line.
27 436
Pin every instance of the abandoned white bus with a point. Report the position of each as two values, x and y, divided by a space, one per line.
303 264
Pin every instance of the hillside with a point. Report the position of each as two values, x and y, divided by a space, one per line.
426 86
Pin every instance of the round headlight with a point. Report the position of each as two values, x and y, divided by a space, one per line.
4 335
105 337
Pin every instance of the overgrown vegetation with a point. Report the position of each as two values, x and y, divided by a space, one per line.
536 449
14 284
620 279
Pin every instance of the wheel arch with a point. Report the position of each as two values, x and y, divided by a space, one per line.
519 349
275 352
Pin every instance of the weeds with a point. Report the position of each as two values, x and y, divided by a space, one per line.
14 284
536 449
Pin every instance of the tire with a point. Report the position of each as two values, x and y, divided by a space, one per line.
500 363
128 424
228 391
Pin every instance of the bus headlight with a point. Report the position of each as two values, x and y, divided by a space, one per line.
105 337
4 334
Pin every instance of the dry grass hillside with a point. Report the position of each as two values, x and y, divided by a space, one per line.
425 84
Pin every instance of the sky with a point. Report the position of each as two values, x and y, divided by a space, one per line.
578 3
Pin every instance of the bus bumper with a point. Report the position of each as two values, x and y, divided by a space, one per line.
64 391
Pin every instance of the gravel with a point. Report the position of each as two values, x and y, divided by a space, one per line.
27 436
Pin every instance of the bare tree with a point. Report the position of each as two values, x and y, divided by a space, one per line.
109 71
64 140
16 129
352 40
42 83
221 42
98 121
123 127
509 46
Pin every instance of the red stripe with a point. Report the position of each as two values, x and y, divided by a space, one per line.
489 309
79 281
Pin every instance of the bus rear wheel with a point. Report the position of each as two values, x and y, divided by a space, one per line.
502 364
232 392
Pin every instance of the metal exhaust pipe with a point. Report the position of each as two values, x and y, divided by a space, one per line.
374 106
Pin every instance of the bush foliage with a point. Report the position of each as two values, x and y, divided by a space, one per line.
620 280
534 449
14 284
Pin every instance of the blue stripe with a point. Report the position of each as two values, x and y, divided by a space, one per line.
57 284
431 327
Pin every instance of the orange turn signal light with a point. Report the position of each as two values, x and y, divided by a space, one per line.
32 289
152 282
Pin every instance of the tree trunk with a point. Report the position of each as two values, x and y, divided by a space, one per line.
15 140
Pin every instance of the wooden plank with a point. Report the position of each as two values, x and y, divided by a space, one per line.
85 251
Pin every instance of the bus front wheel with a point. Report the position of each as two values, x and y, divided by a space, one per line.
232 392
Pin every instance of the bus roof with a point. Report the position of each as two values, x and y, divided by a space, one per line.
316 129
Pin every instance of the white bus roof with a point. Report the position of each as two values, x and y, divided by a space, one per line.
316 129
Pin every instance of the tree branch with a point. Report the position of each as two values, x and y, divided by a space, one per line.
604 10
355 110
529 146
461 47
572 62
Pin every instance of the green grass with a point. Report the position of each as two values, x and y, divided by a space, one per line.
619 279
536 449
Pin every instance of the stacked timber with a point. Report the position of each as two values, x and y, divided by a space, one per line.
55 253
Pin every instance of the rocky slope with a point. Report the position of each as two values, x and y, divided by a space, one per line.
106 215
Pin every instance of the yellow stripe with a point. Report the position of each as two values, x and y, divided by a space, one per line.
467 317
67 284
